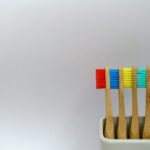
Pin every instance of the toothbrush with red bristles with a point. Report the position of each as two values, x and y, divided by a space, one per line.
103 81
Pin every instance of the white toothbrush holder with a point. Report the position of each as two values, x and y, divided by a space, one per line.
123 144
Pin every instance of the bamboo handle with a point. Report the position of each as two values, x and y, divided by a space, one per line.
122 131
134 130
109 126
146 130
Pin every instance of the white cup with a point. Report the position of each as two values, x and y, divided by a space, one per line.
123 144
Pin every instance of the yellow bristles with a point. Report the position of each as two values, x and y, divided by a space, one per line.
127 72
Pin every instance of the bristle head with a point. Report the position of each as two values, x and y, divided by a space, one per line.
114 78
141 77
100 79
127 75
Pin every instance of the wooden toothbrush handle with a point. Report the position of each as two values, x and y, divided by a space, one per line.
109 125
146 130
134 130
122 131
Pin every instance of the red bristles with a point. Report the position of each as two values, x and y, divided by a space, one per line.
100 79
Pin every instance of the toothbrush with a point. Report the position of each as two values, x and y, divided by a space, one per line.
146 130
134 130
103 81
121 131
109 126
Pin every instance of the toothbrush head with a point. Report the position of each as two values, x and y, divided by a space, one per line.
114 78
127 77
100 79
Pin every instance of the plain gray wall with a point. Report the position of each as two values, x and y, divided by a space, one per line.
49 50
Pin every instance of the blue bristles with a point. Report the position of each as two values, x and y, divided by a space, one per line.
114 78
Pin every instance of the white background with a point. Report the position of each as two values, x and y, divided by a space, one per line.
49 50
